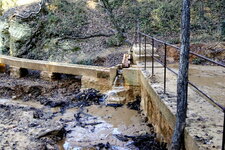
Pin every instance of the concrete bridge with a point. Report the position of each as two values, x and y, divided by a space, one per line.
204 123
99 77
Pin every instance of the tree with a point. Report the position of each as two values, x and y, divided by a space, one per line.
109 6
182 82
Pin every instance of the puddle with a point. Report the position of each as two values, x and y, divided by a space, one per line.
62 116
100 124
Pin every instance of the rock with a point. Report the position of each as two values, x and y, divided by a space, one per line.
58 132
134 105
4 36
38 114
19 34
14 97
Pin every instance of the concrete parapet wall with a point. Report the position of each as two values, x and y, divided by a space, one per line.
203 119
96 75
131 76
157 112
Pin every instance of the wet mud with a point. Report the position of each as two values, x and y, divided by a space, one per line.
59 115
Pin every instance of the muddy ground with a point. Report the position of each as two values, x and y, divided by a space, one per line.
59 115
210 79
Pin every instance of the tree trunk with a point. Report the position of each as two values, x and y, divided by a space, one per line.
182 82
109 11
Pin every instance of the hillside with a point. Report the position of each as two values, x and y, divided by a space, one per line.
87 31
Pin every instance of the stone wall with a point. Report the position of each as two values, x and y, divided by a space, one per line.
156 111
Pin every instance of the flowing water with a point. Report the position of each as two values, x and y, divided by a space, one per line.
67 119
118 93
101 124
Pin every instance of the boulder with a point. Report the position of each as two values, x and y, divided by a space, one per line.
4 36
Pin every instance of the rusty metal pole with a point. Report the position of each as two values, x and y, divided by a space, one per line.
165 64
145 54
223 142
152 57
136 32
139 47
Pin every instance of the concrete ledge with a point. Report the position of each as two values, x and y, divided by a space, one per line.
74 69
131 76
17 72
100 78
45 75
157 112
204 121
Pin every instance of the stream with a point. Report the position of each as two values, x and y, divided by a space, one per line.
40 115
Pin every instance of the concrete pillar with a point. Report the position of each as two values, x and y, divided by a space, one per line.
49 76
18 72
2 68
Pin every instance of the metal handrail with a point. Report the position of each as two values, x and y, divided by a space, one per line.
164 64
178 48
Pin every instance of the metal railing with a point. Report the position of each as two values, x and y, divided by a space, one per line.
138 40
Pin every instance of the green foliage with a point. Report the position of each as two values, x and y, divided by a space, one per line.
84 62
166 17
174 40
162 18
115 40
198 61
65 18
75 49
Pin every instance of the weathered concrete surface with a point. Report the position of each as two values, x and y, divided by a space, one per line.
49 75
203 129
18 72
131 76
74 69
2 68
92 76
156 110
204 121
140 58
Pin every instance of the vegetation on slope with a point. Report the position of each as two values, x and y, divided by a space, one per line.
66 29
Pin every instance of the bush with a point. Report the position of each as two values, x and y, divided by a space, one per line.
115 40
85 62
65 18
198 61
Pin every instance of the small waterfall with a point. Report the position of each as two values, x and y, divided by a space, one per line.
119 80
118 93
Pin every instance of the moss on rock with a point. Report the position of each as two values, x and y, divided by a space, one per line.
19 34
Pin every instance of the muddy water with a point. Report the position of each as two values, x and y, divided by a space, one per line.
86 127
101 124
39 115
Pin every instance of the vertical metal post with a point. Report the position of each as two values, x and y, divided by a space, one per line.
139 47
165 68
145 54
223 144
136 33
152 57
